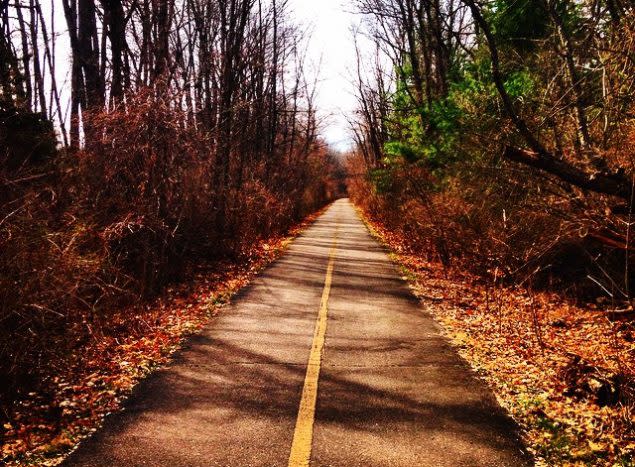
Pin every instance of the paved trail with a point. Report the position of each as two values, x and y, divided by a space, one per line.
325 356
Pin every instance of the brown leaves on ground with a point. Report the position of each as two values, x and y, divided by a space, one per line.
566 373
91 382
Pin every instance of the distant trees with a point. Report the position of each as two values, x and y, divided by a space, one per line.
472 88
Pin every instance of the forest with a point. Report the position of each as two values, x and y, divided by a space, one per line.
188 133
515 117
493 153
495 143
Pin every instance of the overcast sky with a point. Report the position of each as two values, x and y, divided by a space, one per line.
329 22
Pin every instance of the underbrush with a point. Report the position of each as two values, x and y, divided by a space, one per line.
512 228
89 380
565 372
85 234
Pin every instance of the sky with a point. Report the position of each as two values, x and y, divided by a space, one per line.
331 47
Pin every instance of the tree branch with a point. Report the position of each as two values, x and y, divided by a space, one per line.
613 184
539 157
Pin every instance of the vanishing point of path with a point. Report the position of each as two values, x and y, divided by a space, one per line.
326 359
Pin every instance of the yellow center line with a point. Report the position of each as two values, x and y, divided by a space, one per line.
303 435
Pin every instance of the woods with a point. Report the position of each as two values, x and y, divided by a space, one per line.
494 154
156 154
516 118
186 133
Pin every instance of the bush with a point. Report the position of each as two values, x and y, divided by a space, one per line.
82 234
480 222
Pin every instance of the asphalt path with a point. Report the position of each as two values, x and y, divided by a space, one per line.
325 359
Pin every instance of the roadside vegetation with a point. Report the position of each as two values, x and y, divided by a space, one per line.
494 150
557 367
494 155
190 139
82 387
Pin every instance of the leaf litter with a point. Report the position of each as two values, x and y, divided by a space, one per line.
564 372
86 385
